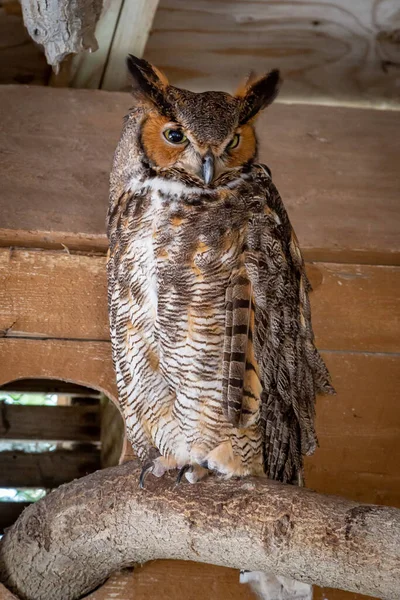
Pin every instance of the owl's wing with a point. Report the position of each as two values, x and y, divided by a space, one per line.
269 297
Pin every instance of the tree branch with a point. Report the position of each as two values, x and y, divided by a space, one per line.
71 541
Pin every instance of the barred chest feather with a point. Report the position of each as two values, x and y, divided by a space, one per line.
178 249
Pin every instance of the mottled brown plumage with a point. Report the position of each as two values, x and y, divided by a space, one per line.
208 296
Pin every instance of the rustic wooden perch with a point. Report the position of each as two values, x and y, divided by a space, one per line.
71 541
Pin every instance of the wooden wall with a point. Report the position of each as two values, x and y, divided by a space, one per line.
330 51
336 51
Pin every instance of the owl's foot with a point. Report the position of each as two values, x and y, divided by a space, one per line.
192 473
157 467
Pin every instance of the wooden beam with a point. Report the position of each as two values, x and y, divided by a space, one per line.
329 51
112 434
326 162
130 37
87 69
47 385
52 423
46 469
361 300
9 513
85 363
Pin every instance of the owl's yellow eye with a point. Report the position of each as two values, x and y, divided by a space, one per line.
175 136
234 142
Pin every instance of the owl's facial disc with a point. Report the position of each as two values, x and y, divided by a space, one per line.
202 134
171 145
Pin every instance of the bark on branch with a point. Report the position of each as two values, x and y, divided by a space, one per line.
69 542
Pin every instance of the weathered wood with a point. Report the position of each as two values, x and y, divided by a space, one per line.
254 524
62 27
46 469
130 37
22 61
87 69
52 423
9 513
46 385
182 580
174 580
85 363
5 594
56 295
327 163
53 294
330 51
358 430
112 433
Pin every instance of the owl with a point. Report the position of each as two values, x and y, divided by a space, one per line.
212 342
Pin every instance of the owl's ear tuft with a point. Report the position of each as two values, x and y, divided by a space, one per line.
257 94
149 81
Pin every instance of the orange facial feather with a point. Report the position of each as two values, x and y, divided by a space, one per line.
246 148
158 150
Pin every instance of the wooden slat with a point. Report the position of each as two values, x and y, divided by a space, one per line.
56 295
329 50
50 294
55 423
358 430
112 434
179 580
341 190
130 37
9 513
85 363
21 60
46 385
355 307
46 469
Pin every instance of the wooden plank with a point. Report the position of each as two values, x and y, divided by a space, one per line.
5 594
85 363
21 60
47 385
340 189
358 430
9 513
183 580
130 37
112 434
55 423
53 294
355 307
174 580
46 469
361 300
87 69
330 51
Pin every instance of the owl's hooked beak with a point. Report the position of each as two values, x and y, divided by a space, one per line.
208 167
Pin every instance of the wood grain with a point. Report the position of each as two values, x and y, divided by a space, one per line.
358 430
46 469
86 363
329 51
21 60
183 580
340 189
52 423
53 294
46 294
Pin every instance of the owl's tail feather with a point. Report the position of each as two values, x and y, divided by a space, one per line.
268 586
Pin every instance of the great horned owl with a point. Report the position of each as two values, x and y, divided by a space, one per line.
213 347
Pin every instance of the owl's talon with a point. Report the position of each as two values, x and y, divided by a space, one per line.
148 468
181 473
